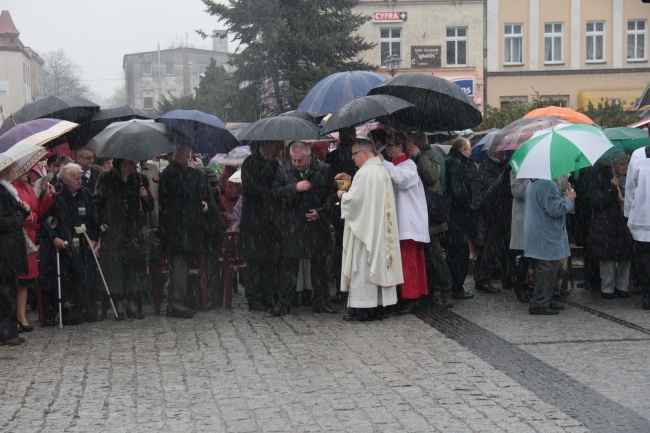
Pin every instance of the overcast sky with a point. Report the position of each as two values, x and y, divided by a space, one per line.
97 34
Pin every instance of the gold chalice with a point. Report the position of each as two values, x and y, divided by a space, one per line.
343 184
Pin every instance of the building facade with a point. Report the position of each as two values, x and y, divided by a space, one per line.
21 69
579 51
439 37
177 71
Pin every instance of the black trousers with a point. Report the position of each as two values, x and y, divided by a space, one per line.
457 252
215 283
641 263
289 277
8 317
494 255
438 274
261 282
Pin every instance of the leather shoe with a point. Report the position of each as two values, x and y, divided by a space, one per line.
462 295
618 293
12 342
448 303
277 311
178 313
306 298
543 311
25 328
349 317
486 288
554 306
607 295
324 308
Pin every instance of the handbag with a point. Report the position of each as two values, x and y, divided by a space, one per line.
31 247
437 207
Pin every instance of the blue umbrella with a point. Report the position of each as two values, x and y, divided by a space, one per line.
204 133
336 90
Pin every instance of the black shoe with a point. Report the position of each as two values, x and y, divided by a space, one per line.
277 311
25 328
120 316
172 311
486 288
607 295
462 295
90 317
135 315
48 321
351 317
523 294
543 311
617 293
554 306
324 308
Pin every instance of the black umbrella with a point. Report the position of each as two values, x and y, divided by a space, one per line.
73 109
366 108
135 140
441 105
279 128
100 120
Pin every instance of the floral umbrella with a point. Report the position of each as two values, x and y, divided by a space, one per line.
559 150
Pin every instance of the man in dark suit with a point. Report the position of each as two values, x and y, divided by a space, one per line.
259 238
89 174
305 189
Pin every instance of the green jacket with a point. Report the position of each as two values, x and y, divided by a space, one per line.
432 173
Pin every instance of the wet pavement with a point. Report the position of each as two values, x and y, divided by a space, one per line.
484 366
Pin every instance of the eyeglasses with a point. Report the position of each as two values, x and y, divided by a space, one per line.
354 153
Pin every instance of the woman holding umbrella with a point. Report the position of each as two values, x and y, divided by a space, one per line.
30 224
121 199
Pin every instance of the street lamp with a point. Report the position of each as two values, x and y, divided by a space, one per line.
226 108
393 63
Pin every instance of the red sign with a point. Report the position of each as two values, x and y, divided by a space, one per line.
388 17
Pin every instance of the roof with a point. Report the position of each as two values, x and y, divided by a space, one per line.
7 26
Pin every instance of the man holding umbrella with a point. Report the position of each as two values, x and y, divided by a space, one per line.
185 203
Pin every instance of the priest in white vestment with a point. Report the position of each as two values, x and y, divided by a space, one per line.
371 264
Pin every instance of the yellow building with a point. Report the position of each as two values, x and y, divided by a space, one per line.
440 37
579 51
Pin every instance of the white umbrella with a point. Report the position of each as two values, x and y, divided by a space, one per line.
24 155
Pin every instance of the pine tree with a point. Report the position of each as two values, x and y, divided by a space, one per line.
289 45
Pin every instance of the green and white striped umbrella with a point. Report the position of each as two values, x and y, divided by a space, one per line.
559 150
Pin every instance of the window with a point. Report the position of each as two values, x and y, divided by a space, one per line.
147 102
512 44
391 43
595 41
553 41
169 68
201 69
512 100
456 46
637 36
146 68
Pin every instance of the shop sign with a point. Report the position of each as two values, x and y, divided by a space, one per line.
425 56
465 83
388 17
4 87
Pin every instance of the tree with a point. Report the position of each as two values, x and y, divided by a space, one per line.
609 114
62 77
289 45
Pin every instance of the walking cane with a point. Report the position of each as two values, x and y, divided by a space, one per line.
58 276
82 230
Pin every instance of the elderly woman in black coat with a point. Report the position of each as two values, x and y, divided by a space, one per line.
121 201
609 238
13 255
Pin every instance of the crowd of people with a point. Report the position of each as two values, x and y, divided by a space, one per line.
394 221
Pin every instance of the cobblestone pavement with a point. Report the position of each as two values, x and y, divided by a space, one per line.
485 366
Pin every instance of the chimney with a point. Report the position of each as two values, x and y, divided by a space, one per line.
220 40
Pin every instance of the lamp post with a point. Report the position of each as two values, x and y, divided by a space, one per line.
393 63
226 108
